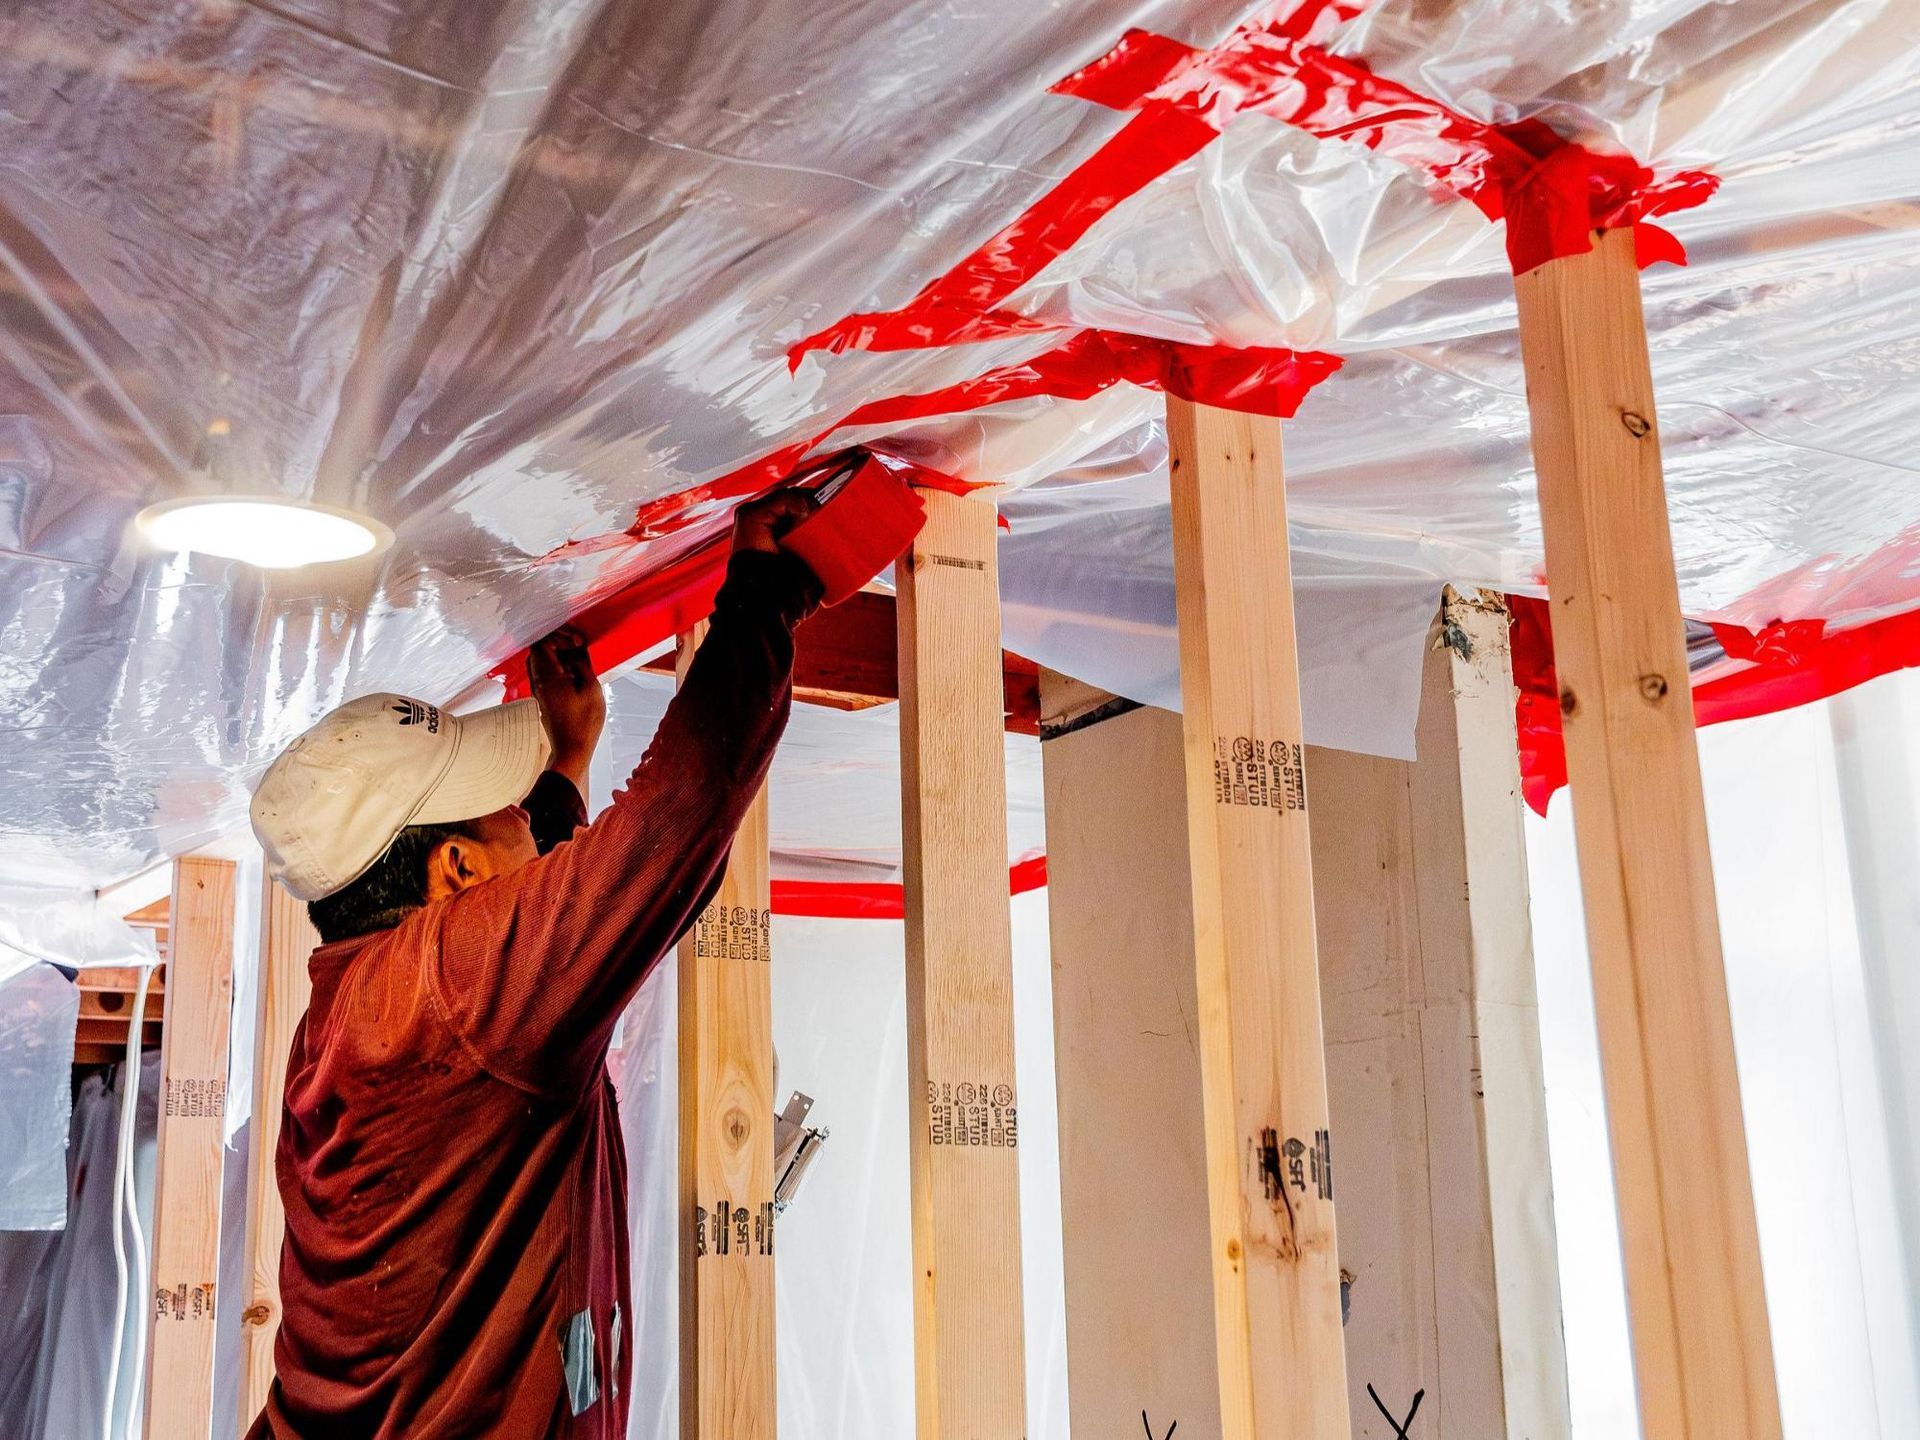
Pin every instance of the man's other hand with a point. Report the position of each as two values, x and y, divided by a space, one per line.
762 524
571 700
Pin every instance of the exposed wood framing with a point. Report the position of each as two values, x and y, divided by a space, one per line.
969 1359
187 1161
1433 1056
1132 1143
1703 1360
1433 1066
106 1007
847 658
1476 934
287 939
726 1148
1276 1275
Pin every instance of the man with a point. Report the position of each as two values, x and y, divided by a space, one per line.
456 1244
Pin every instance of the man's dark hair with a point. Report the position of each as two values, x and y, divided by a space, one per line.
393 887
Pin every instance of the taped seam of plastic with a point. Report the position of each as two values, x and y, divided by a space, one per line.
1551 192
1787 664
879 900
1265 381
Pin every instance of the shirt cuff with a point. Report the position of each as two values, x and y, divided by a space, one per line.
555 809
777 581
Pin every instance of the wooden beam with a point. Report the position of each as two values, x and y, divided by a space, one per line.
1433 1060
726 1148
287 938
970 1363
1276 1274
846 658
187 1160
1703 1359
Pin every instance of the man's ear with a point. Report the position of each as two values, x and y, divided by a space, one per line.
457 863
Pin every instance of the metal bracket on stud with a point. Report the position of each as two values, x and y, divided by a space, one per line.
795 1143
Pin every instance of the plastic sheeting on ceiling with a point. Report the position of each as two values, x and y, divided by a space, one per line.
500 274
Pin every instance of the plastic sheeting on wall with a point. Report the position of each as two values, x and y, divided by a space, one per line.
38 1012
1832 1254
504 282
844 1324
56 1325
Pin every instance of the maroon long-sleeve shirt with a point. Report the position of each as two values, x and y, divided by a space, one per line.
450 1158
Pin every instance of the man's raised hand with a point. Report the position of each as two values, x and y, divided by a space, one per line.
763 523
572 703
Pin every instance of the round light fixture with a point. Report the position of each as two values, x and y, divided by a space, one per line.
273 534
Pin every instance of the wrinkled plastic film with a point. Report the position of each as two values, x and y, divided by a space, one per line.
38 1012
507 294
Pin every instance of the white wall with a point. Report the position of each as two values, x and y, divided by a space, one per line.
1810 1085
844 1322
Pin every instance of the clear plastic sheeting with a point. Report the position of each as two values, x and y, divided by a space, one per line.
1825 1140
500 274
68 927
834 803
844 1292
56 1327
38 1011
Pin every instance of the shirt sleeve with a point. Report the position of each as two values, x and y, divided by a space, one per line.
555 809
533 969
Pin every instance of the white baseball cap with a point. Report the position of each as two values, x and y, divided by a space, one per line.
333 801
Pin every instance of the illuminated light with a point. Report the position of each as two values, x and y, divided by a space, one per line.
273 534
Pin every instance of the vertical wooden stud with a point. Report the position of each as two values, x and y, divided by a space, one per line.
726 1147
187 1160
1703 1359
970 1371
287 938
1270 1155
1483 1042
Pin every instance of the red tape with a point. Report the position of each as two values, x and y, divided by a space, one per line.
1551 192
1792 663
871 900
1261 381
660 605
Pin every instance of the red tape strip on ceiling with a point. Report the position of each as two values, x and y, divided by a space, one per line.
1551 192
1790 663
657 606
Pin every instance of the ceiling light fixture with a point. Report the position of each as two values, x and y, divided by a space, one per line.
273 534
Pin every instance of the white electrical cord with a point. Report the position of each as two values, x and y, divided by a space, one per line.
126 1208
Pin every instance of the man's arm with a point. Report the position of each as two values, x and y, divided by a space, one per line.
536 967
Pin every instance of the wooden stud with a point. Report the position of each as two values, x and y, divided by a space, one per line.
287 939
1483 1040
970 1364
187 1160
1433 1060
1703 1359
1276 1274
726 1147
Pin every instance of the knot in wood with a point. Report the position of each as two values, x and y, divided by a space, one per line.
1567 703
256 1314
1637 425
1653 688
